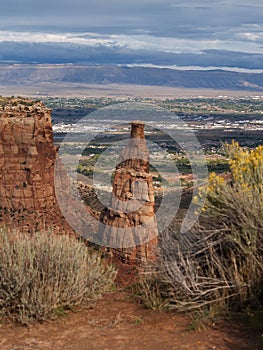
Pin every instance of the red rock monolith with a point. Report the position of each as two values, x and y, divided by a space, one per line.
129 226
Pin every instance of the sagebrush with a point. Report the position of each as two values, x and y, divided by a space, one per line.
41 275
220 266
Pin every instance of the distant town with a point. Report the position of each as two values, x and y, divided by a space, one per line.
214 120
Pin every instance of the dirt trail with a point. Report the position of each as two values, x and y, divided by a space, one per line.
118 322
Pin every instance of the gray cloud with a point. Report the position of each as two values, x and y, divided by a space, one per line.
163 27
57 53
157 16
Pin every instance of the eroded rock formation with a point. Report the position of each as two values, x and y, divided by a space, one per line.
128 226
27 158
29 201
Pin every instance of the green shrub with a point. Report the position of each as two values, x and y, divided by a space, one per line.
43 274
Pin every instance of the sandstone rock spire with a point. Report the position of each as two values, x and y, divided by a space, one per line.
128 225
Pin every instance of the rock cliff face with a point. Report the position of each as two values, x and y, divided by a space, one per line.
27 191
27 158
129 224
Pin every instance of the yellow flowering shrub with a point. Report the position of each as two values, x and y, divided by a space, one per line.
246 165
235 205
243 191
218 265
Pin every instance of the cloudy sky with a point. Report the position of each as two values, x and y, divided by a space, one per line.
200 33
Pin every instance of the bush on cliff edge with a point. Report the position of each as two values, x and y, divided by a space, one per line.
219 267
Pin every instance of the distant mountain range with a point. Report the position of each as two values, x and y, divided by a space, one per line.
211 79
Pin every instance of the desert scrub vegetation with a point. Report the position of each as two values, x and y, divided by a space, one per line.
218 267
44 274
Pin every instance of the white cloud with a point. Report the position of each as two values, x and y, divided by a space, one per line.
251 36
92 39
139 42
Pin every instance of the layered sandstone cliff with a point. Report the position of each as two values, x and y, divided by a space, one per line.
27 158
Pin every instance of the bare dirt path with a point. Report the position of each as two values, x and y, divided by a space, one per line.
118 322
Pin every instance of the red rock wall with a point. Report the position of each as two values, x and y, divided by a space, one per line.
27 159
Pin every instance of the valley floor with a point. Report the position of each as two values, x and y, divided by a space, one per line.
44 89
